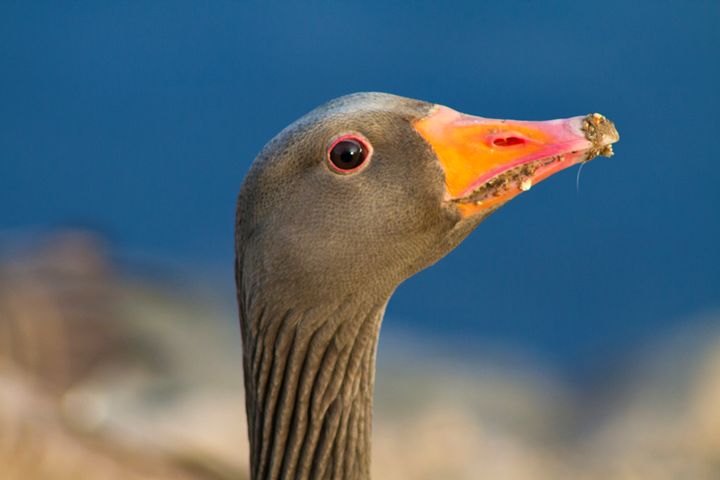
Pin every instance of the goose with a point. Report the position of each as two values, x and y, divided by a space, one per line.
335 212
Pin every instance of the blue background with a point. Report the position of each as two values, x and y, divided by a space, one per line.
141 118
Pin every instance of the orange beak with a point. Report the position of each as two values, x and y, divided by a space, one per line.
487 162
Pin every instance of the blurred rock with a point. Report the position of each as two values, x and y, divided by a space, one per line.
35 444
666 424
58 317
72 359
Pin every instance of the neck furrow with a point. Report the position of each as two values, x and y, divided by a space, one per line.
309 381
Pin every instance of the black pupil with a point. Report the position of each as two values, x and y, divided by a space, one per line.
347 154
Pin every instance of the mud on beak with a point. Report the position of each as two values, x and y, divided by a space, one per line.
487 162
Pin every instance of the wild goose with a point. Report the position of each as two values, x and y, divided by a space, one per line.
336 211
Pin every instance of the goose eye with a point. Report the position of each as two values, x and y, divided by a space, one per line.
347 154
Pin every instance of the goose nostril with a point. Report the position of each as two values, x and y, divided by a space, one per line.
508 141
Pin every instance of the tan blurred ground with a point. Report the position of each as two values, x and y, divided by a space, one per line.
112 376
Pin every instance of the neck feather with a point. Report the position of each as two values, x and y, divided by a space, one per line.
309 377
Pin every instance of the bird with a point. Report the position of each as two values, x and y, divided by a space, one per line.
334 213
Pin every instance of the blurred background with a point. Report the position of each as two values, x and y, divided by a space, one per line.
575 334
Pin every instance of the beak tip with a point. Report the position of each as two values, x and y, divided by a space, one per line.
602 133
599 130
